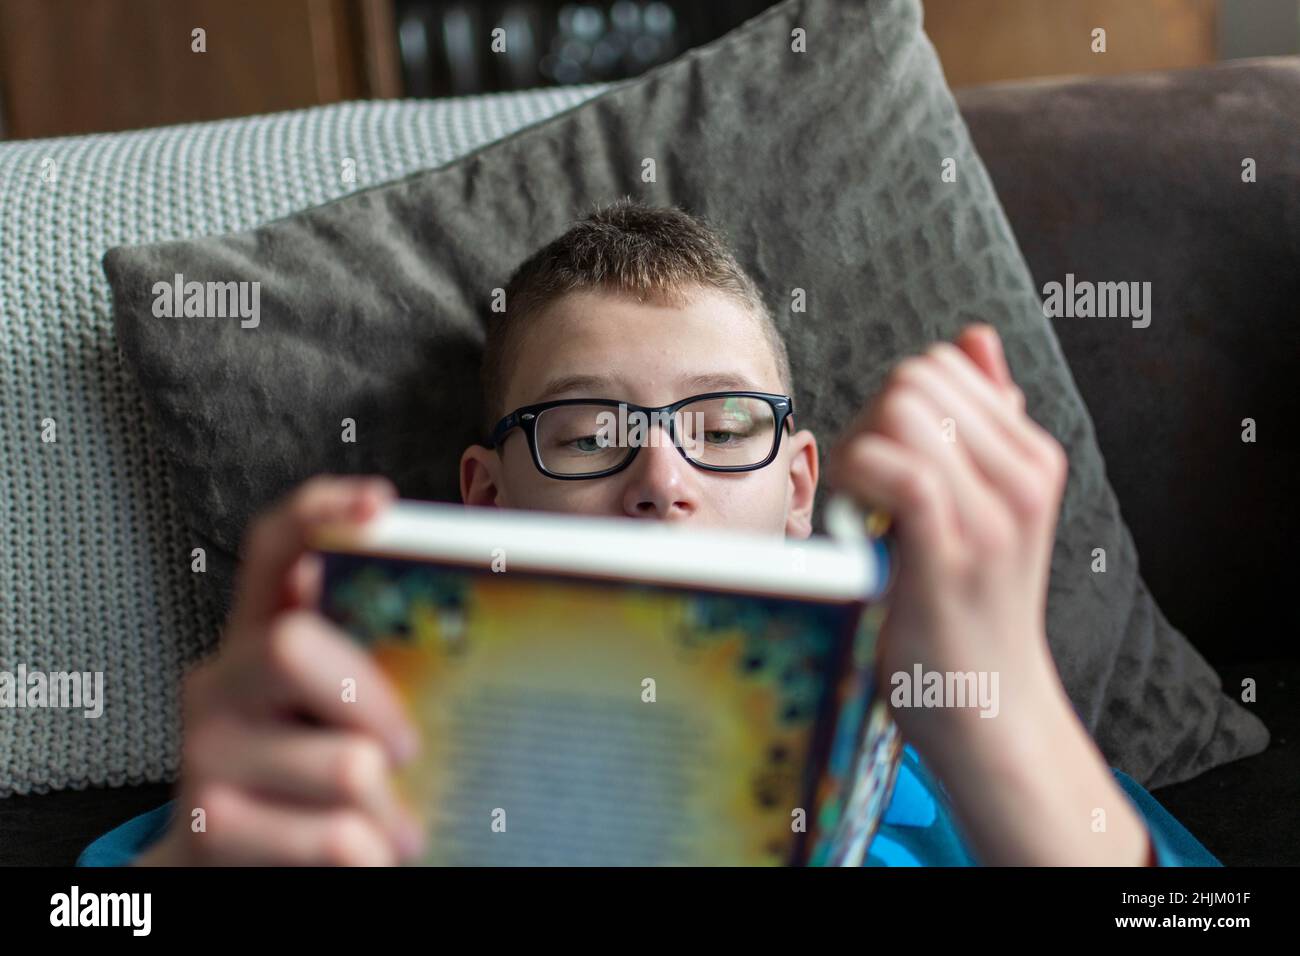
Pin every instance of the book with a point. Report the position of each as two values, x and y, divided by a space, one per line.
606 691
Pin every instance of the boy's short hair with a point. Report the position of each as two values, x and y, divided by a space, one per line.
656 253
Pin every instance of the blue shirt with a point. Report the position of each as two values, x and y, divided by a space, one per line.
917 828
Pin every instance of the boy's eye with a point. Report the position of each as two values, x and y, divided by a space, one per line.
729 433
586 443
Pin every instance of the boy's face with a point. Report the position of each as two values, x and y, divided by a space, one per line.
650 355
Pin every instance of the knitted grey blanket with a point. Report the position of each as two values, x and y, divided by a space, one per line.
96 584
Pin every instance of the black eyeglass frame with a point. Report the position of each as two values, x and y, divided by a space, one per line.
526 417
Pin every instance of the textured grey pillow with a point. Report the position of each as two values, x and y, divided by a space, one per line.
94 549
824 167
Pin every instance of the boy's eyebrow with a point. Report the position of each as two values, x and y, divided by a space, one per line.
597 386
593 384
719 382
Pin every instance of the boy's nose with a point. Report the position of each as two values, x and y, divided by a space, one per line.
660 482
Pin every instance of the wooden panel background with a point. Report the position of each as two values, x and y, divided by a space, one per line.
76 66
982 41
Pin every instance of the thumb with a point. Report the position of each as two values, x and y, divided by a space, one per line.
272 575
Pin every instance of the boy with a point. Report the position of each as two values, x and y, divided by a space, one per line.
648 306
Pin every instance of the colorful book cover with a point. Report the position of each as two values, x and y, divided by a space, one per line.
570 718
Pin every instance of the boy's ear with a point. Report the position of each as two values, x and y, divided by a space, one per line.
803 485
480 477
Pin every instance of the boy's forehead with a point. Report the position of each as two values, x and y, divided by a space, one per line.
597 344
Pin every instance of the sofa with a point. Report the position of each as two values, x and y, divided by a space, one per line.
1132 177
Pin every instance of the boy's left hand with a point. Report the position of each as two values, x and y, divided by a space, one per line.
973 486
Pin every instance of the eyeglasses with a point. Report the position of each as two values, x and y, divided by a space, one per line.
574 438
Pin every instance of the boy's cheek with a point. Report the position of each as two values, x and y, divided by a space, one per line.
539 493
758 501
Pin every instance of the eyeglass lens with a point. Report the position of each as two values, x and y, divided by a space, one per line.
732 431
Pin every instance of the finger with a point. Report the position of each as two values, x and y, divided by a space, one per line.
878 472
982 344
1031 439
296 764
907 416
277 539
301 667
999 461
240 830
303 582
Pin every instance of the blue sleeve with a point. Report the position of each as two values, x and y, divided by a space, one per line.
121 845
919 827
1174 844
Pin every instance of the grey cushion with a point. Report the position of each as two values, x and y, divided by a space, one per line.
825 169
94 554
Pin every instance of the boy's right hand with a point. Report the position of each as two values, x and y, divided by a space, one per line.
284 769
